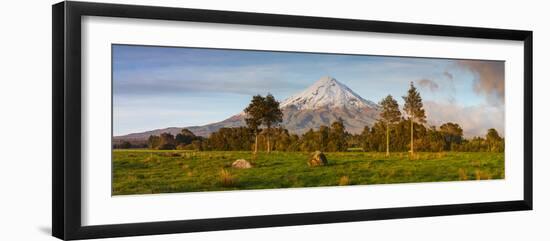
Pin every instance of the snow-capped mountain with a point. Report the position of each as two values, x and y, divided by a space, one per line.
327 92
322 103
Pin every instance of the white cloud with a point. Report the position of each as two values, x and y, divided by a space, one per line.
474 120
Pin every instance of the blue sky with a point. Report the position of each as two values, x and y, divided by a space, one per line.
158 87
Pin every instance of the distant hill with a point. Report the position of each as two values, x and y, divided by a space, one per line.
322 103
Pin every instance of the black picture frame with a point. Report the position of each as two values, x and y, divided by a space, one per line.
66 75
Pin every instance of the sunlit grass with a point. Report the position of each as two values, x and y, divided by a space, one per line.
145 171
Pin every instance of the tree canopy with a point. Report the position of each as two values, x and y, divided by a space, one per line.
389 115
414 109
263 111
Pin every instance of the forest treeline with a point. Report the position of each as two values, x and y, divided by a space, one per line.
448 137
391 132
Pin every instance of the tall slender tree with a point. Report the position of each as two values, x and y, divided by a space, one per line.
254 117
390 114
414 109
272 115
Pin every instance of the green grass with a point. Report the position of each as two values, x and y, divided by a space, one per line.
145 171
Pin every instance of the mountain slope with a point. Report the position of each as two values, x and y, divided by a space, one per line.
327 92
322 103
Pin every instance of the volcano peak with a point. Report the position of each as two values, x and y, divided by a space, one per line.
327 92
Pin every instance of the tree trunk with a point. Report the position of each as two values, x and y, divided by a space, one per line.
256 144
387 139
412 136
268 143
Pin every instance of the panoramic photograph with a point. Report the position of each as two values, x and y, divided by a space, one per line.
202 119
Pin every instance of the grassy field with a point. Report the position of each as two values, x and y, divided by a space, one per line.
146 171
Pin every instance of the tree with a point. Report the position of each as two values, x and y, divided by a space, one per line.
153 142
123 145
272 115
167 142
281 139
308 142
337 136
390 114
494 141
323 137
365 138
377 137
196 145
414 110
430 140
492 135
230 139
452 133
185 137
294 144
255 112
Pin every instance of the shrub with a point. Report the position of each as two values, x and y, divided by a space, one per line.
227 179
480 175
344 181
462 175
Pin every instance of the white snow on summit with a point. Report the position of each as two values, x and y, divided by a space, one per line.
328 92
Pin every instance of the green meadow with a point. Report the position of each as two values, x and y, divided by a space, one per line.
156 171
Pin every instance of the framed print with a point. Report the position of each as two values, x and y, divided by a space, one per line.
170 120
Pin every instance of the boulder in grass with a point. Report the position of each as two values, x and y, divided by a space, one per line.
317 159
241 164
